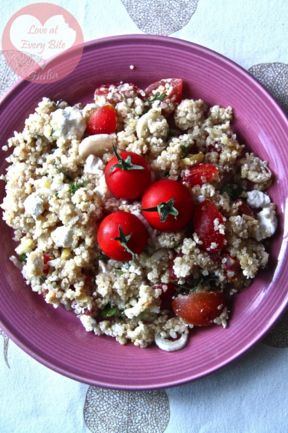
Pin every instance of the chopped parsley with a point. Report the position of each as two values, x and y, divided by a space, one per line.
109 312
23 258
185 149
75 186
232 189
157 97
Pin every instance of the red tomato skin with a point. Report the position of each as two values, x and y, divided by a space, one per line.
128 184
203 220
168 291
200 173
174 95
46 259
244 208
199 308
109 229
102 121
162 191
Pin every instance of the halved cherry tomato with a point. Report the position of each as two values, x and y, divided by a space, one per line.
169 91
121 235
102 121
171 88
127 175
167 205
199 308
200 174
204 216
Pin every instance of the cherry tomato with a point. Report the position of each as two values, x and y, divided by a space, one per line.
204 216
121 235
199 308
200 173
102 121
167 205
127 175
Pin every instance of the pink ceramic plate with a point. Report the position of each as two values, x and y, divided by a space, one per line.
55 337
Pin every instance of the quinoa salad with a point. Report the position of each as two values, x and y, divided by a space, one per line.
140 212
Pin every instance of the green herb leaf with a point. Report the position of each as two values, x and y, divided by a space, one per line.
189 287
232 189
164 209
109 312
23 258
75 186
185 149
124 239
124 164
157 97
147 316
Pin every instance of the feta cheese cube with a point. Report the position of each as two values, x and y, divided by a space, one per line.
34 205
62 237
257 199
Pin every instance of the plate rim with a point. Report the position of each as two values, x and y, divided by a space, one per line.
12 333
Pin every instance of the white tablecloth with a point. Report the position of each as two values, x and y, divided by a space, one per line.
251 394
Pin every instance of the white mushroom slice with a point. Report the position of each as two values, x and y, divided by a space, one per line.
152 122
102 267
257 199
171 346
97 144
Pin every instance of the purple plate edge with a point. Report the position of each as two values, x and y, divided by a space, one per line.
248 77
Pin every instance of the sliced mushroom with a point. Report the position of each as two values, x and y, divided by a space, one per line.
142 127
171 346
96 144
102 267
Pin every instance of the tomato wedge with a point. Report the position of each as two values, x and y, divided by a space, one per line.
200 174
102 121
167 90
206 220
199 308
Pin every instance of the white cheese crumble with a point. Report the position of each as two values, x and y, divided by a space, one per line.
34 205
68 123
62 237
267 223
257 199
